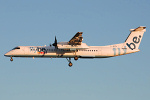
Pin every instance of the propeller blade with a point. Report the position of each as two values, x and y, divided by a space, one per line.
50 45
55 42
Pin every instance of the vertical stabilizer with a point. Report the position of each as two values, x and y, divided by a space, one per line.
134 39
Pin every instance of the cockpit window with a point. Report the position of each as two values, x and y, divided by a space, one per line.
16 48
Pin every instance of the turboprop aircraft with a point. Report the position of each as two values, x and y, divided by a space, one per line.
76 49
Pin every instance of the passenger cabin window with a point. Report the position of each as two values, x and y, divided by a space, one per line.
16 48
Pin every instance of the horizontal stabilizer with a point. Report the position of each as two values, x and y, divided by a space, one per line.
138 29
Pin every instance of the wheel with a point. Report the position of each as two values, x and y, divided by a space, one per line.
70 64
75 58
11 59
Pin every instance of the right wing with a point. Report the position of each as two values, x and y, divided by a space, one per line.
74 44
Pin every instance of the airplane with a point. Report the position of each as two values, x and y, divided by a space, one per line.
76 49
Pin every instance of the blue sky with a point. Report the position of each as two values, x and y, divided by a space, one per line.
37 22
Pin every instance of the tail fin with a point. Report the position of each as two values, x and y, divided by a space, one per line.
134 39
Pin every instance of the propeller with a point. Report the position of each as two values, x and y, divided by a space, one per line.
55 42
50 45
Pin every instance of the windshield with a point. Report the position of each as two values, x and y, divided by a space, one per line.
16 48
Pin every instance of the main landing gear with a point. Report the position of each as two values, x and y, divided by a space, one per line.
70 63
75 58
11 59
69 60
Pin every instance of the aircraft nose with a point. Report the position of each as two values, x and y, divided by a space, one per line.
7 54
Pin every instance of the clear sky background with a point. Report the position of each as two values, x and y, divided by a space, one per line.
103 22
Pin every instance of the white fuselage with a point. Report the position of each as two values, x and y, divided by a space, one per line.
52 52
76 49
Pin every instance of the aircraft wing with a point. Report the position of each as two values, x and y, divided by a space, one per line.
74 44
77 39
73 47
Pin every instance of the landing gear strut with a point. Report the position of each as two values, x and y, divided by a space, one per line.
76 58
70 63
11 59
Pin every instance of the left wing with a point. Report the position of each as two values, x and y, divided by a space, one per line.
74 44
77 39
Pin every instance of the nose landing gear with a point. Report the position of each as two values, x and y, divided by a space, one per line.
11 59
